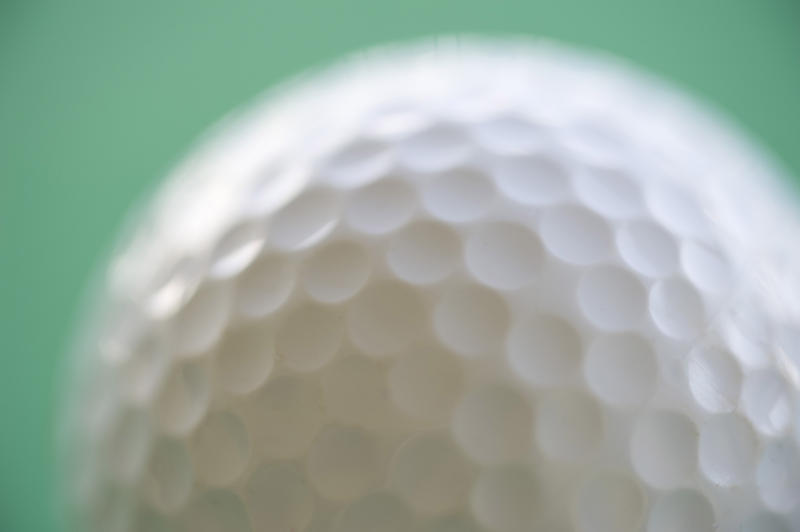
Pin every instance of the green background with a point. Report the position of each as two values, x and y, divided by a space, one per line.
98 98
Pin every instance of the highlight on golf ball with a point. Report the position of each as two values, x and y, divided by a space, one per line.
464 286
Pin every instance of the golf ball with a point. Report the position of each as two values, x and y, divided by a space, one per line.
459 286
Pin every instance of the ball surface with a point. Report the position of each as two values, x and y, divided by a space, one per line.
470 287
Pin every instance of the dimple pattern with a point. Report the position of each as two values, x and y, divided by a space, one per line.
487 289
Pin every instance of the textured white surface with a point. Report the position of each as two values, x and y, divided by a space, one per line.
468 287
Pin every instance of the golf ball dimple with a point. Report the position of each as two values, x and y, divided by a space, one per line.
474 287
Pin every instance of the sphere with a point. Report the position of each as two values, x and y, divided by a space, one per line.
463 286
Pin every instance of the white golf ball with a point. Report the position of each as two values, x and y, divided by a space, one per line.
458 287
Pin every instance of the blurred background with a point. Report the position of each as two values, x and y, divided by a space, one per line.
98 99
